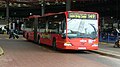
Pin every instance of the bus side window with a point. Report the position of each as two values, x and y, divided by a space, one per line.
53 27
42 25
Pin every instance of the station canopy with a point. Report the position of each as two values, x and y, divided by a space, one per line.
33 1
49 0
105 7
29 3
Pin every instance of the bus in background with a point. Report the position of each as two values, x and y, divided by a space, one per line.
70 30
30 27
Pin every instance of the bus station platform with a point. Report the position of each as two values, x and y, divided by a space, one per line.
108 50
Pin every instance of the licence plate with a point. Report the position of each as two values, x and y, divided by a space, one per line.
82 48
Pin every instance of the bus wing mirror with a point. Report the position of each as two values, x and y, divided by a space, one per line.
63 36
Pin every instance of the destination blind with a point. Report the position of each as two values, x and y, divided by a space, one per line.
77 15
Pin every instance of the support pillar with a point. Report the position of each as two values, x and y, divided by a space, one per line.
68 5
35 29
43 7
7 12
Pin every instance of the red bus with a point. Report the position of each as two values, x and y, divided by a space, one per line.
71 30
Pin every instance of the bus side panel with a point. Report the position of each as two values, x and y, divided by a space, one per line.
25 34
45 41
45 38
31 36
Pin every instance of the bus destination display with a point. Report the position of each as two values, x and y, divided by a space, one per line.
82 16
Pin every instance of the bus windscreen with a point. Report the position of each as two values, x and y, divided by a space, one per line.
82 25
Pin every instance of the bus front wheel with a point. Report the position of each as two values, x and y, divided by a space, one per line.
54 44
38 39
27 36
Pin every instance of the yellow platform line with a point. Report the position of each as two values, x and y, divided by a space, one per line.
15 39
1 51
6 38
24 39
103 43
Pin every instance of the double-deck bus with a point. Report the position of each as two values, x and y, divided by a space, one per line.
70 30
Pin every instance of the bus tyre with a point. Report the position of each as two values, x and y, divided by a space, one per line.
38 40
27 36
54 44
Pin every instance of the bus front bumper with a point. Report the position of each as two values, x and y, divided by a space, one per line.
80 48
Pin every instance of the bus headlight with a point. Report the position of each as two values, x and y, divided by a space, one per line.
67 44
95 45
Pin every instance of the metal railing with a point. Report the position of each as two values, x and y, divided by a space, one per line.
108 37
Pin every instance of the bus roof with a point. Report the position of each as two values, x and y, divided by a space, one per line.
34 16
66 12
48 14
